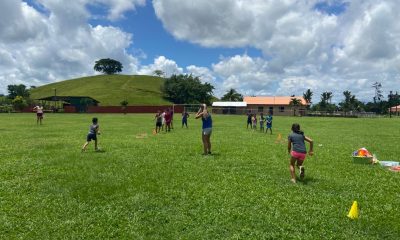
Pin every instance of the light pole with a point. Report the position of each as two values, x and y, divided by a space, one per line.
55 96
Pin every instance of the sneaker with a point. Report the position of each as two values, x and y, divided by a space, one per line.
302 172
293 180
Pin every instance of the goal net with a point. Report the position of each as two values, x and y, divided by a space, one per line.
190 108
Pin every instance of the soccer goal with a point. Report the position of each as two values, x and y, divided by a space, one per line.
190 108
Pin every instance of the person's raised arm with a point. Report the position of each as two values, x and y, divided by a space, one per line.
310 152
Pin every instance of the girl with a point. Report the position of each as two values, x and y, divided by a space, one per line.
92 135
262 120
158 119
254 120
297 151
206 128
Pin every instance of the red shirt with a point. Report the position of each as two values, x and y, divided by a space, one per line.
168 117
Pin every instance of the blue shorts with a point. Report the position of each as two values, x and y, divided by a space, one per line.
269 125
207 131
91 137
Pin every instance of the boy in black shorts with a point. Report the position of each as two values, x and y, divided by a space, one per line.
92 135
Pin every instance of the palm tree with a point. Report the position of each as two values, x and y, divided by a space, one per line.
233 96
295 102
307 97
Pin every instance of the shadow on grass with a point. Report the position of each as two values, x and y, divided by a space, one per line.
308 180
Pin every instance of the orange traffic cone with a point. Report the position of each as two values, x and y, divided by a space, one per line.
353 213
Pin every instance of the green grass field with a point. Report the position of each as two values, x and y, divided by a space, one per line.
161 187
108 89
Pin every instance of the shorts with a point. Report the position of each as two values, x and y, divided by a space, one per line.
207 131
158 124
269 125
39 115
91 137
249 122
298 155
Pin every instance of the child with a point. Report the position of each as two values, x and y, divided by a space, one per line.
39 114
168 119
297 151
249 116
269 123
158 118
185 116
92 135
254 120
262 120
163 120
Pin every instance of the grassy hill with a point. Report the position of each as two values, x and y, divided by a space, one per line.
109 89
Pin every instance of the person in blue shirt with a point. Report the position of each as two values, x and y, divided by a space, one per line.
185 116
269 123
206 128
94 130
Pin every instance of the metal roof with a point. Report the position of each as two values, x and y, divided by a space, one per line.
66 98
229 104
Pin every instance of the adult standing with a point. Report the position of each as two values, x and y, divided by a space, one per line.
39 114
206 128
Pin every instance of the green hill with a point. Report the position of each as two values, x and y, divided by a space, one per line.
109 89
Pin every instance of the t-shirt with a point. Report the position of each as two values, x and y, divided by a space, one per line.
159 118
185 116
298 142
168 117
269 119
249 115
93 128
39 109
207 121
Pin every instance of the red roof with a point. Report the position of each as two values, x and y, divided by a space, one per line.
272 100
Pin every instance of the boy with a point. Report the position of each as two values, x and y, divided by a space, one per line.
158 118
92 135
269 123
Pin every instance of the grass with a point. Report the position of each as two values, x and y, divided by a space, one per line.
109 90
161 187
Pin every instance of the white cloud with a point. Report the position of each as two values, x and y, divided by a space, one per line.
117 8
169 67
302 47
39 48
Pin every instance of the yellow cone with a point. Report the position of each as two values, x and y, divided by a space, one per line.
279 138
353 213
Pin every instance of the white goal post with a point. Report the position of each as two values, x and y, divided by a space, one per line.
191 108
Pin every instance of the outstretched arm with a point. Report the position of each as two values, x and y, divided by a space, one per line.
310 152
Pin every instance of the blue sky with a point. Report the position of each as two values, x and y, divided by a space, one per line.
258 47
153 40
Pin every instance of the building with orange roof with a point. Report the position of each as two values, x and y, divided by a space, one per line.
279 105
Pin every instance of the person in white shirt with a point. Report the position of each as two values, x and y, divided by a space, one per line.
39 114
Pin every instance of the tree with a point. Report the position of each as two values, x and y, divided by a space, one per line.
307 97
19 103
158 73
17 90
233 96
186 89
295 103
108 66
378 92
